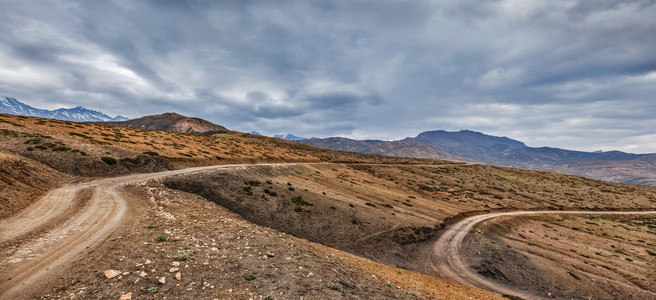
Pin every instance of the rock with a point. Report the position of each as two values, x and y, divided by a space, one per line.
178 276
143 274
162 280
269 254
173 270
112 273
175 263
126 296
148 262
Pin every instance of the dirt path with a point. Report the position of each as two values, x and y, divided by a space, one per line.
58 230
445 260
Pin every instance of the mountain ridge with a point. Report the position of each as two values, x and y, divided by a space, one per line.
172 122
12 106
467 145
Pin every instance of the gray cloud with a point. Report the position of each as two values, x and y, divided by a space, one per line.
574 74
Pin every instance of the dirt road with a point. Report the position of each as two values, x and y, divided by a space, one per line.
67 222
445 260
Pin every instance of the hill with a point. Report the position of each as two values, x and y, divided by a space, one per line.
394 148
77 114
468 145
171 122
289 223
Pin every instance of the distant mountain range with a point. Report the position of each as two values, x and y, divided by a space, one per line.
171 122
502 151
78 114
288 136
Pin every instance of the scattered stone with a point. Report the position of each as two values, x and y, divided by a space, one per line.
269 254
175 263
112 273
178 276
162 280
126 296
143 274
148 262
173 270
125 273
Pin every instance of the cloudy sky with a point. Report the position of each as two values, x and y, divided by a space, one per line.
572 74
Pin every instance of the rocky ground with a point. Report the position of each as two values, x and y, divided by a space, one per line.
181 246
569 256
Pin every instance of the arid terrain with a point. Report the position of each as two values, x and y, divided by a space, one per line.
290 220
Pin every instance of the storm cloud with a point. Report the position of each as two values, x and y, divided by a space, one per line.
572 74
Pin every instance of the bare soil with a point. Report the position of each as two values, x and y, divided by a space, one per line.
221 248
568 256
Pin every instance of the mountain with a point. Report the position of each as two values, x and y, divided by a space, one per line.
78 114
289 137
466 143
255 132
394 148
171 122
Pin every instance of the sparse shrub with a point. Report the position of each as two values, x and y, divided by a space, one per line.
298 200
84 136
336 286
269 182
511 297
273 194
108 160
351 205
354 221
291 188
249 277
161 238
269 297
414 293
151 153
370 204
181 257
388 206
152 290
253 183
298 208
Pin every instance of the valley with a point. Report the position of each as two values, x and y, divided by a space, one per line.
303 221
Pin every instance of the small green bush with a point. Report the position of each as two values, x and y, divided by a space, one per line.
108 160
181 257
249 277
161 238
298 200
152 290
336 286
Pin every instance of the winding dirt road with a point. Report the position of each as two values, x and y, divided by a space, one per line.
65 223
445 260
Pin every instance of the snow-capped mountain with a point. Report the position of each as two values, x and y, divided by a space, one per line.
289 137
78 114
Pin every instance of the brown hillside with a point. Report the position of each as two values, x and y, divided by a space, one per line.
387 209
171 122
